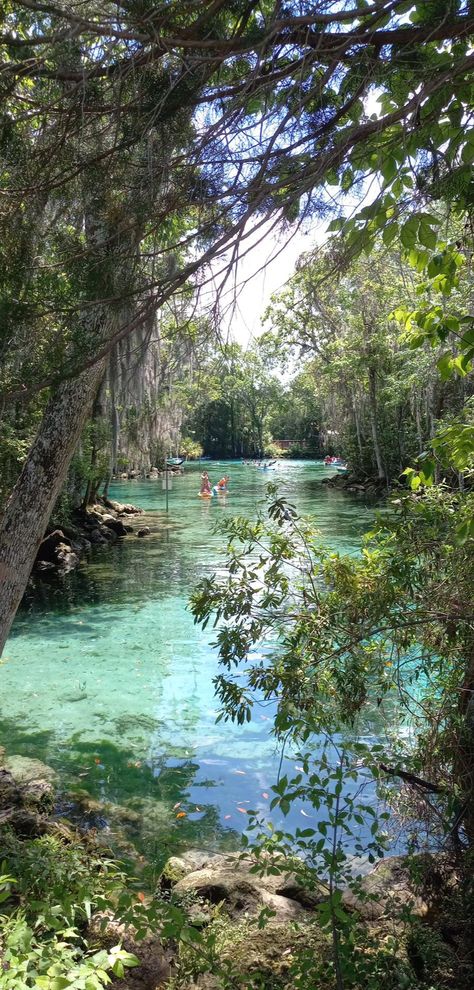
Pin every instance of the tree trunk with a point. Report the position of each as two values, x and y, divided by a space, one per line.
93 481
419 430
30 505
373 422
357 427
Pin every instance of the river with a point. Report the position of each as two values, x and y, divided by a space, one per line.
107 679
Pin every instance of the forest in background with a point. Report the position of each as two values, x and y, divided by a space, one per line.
143 147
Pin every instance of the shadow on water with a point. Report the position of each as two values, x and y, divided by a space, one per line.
145 810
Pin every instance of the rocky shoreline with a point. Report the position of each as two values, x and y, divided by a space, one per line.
97 525
223 895
353 484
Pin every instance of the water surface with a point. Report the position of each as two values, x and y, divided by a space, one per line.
107 679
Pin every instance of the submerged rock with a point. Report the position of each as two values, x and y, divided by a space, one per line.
144 531
35 779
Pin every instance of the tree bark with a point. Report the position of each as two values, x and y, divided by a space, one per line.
357 427
373 422
29 507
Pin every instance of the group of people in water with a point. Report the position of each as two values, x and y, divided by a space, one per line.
207 490
260 464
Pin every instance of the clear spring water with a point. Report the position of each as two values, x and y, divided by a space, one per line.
107 679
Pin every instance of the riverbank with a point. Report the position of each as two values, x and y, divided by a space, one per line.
353 485
209 920
94 525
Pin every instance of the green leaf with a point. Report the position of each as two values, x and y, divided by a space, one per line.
427 236
389 234
445 366
408 233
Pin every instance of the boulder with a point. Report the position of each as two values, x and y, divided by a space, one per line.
96 536
56 551
67 560
49 547
131 510
108 534
144 531
92 516
264 957
385 890
240 892
35 779
115 506
116 525
285 884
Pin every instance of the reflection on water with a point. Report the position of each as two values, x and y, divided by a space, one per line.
107 679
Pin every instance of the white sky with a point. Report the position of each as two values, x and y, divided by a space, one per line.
267 267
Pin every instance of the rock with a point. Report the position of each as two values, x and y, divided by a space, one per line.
264 957
128 528
251 957
72 532
108 534
96 536
67 560
49 547
93 516
115 506
35 779
240 892
384 891
177 867
132 510
56 551
285 884
116 525
144 531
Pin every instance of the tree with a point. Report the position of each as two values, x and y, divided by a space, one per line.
357 645
112 140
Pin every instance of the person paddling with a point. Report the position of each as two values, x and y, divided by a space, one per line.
205 484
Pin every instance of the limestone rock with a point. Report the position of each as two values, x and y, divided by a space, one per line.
35 779
144 531
240 892
384 891
56 551
49 546
95 536
285 884
116 525
115 506
131 510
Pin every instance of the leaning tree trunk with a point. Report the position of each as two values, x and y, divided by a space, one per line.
29 507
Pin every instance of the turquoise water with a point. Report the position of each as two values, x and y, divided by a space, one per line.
106 678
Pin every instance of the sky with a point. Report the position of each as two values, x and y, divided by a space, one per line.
271 262
267 267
